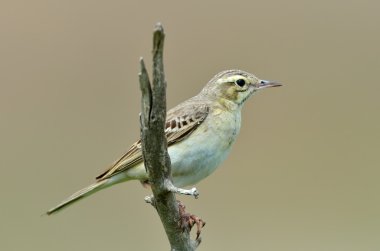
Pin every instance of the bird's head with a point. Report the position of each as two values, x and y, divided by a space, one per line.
236 86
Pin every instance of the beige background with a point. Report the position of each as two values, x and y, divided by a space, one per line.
303 175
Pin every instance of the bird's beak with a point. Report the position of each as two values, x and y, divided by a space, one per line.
267 83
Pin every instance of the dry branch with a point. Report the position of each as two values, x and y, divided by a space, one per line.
154 146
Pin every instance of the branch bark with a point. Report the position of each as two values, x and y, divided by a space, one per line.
154 146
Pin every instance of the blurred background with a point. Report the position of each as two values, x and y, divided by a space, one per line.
303 175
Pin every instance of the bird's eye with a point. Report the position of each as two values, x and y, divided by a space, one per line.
240 82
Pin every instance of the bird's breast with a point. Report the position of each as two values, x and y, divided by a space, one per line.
202 152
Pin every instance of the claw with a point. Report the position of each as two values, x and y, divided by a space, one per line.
189 220
194 192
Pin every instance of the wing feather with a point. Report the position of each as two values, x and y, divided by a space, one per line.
181 121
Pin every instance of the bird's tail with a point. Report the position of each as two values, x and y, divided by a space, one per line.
87 191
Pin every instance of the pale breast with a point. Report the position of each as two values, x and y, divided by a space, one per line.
199 155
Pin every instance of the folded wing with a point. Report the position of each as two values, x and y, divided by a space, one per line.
181 121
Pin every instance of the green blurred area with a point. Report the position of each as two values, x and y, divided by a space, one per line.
303 175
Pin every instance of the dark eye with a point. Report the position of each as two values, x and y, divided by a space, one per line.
240 82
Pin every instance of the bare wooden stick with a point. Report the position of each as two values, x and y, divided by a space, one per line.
154 147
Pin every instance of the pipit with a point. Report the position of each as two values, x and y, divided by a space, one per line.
200 132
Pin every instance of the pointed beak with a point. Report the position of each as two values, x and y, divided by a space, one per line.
267 83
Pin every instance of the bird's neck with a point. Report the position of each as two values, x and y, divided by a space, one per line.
229 105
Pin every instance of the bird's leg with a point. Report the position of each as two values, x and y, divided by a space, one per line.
189 220
193 191
170 187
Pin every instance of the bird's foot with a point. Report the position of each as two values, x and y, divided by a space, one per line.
187 221
149 199
193 191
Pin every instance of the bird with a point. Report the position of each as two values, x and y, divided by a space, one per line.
199 131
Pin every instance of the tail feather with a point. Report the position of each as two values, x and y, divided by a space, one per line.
79 195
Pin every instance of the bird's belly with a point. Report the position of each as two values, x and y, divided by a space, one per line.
197 157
